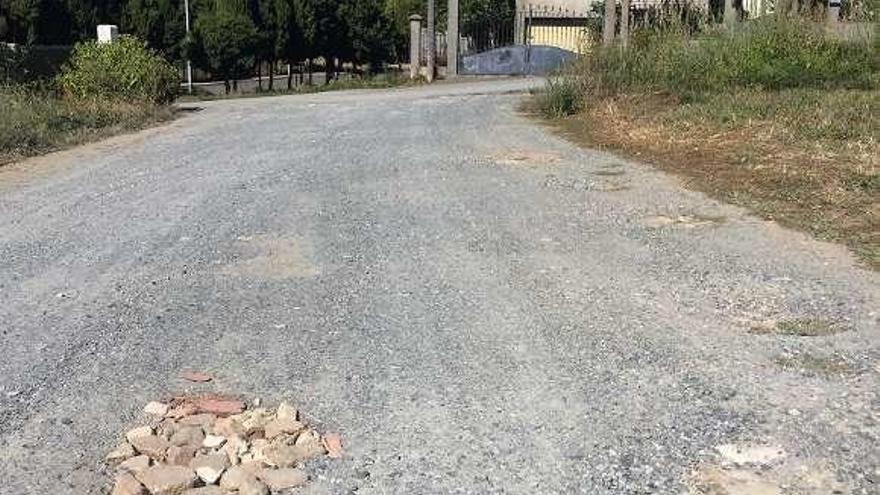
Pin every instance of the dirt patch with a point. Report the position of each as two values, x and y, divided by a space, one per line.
216 441
272 257
821 181
799 327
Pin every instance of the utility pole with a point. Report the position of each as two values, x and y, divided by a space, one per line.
432 42
610 22
452 39
189 70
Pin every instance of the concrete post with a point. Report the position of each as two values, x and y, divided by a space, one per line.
107 33
432 42
833 12
415 45
729 13
610 23
452 38
624 22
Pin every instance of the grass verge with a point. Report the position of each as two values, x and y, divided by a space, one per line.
36 121
806 158
775 115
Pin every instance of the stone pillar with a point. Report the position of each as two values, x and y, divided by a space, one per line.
452 39
609 24
415 45
107 33
432 42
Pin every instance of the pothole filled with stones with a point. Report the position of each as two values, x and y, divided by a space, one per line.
216 445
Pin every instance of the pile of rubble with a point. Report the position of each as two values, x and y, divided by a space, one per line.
213 445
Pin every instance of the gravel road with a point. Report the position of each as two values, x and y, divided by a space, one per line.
475 304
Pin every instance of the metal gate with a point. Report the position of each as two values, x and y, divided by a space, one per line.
534 40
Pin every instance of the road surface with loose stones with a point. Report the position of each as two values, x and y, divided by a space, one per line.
473 303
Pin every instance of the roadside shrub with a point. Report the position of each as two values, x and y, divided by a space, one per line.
125 70
562 96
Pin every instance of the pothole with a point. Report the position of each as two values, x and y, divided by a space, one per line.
810 364
799 327
609 172
684 221
611 187
211 444
712 480
583 185
526 157
273 258
760 469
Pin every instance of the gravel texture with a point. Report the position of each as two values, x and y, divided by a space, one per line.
467 298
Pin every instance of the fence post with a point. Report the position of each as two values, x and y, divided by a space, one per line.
107 33
729 13
415 45
452 39
432 42
833 12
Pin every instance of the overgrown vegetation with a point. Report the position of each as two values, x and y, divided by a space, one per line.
103 90
37 121
774 114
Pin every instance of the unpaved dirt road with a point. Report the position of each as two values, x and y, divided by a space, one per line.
477 306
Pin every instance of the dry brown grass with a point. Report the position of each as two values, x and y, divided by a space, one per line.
809 158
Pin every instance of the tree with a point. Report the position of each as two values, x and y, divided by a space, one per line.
398 12
325 32
370 32
159 23
225 39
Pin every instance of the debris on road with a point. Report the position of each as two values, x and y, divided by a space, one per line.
213 444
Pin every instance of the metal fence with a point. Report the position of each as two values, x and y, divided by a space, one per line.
534 25
562 28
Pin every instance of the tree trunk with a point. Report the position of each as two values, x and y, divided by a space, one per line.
272 76
624 22
235 85
289 77
259 76
610 22
329 68
226 85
